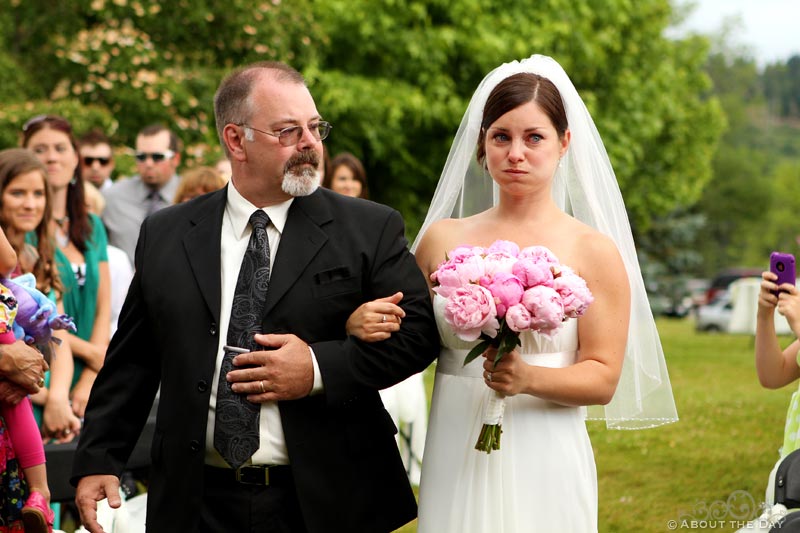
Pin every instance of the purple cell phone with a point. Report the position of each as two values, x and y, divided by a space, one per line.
782 265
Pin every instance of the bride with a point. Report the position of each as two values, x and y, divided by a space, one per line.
550 184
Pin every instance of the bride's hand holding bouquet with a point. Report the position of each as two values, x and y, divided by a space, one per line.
495 293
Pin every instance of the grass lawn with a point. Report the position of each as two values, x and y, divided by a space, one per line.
712 464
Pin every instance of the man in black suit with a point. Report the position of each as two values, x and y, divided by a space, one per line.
327 459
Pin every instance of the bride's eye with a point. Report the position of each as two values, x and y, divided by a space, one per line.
534 138
500 137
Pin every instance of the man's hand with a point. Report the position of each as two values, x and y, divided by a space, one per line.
283 373
92 489
22 365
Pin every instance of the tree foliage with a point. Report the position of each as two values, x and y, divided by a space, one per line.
393 76
750 205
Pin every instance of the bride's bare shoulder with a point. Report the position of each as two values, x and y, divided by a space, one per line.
441 237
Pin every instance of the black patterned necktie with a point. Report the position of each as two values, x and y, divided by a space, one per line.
153 202
236 426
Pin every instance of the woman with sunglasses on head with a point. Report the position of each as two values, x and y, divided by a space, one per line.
81 254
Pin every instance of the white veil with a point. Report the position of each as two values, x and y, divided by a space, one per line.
586 187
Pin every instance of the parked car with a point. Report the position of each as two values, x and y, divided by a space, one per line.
723 279
715 316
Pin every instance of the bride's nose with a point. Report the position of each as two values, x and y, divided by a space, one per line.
516 151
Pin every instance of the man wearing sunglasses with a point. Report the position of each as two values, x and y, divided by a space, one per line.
269 415
97 159
130 201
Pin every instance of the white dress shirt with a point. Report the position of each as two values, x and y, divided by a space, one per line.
236 232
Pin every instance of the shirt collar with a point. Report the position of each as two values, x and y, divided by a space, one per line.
239 210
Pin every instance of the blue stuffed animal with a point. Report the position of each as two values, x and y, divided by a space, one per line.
36 316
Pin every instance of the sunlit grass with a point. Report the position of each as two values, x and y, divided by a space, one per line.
718 454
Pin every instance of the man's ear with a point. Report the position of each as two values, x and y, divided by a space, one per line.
235 141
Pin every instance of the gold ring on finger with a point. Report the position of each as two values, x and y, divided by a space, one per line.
262 386
383 319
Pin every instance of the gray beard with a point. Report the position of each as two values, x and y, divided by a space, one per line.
302 184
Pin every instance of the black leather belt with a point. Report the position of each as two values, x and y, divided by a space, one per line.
264 475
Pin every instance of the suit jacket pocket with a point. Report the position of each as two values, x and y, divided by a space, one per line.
334 282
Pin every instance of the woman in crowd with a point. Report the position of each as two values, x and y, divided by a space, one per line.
24 199
198 181
347 176
24 202
81 253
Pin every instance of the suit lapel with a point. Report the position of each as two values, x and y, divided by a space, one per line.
301 240
202 245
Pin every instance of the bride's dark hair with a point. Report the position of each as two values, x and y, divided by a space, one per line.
515 91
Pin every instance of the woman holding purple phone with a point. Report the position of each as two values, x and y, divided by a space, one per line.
776 366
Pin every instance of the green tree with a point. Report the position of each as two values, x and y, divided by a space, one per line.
392 76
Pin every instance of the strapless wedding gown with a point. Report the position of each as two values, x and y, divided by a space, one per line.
543 477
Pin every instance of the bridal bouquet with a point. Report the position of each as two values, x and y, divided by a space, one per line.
495 293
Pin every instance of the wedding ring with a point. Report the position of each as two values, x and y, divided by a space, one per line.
67 431
383 319
40 383
262 386
489 376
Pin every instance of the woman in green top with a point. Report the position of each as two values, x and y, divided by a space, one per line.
81 250
24 202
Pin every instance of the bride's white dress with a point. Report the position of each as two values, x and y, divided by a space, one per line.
543 477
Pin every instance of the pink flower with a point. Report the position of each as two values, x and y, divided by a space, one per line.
470 310
518 318
464 266
574 293
505 247
544 305
539 254
532 273
506 290
499 261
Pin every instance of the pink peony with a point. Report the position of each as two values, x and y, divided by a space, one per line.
464 266
499 261
518 318
539 254
506 290
532 273
506 247
545 307
470 310
574 292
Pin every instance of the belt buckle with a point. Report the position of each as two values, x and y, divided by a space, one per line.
253 475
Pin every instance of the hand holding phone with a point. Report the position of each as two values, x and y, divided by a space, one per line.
783 266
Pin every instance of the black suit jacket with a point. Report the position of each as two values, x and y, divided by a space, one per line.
335 254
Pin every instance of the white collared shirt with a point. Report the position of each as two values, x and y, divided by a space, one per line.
236 232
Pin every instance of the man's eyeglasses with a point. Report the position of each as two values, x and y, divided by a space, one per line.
157 157
291 135
89 161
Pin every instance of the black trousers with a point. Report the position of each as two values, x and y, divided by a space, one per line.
233 507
